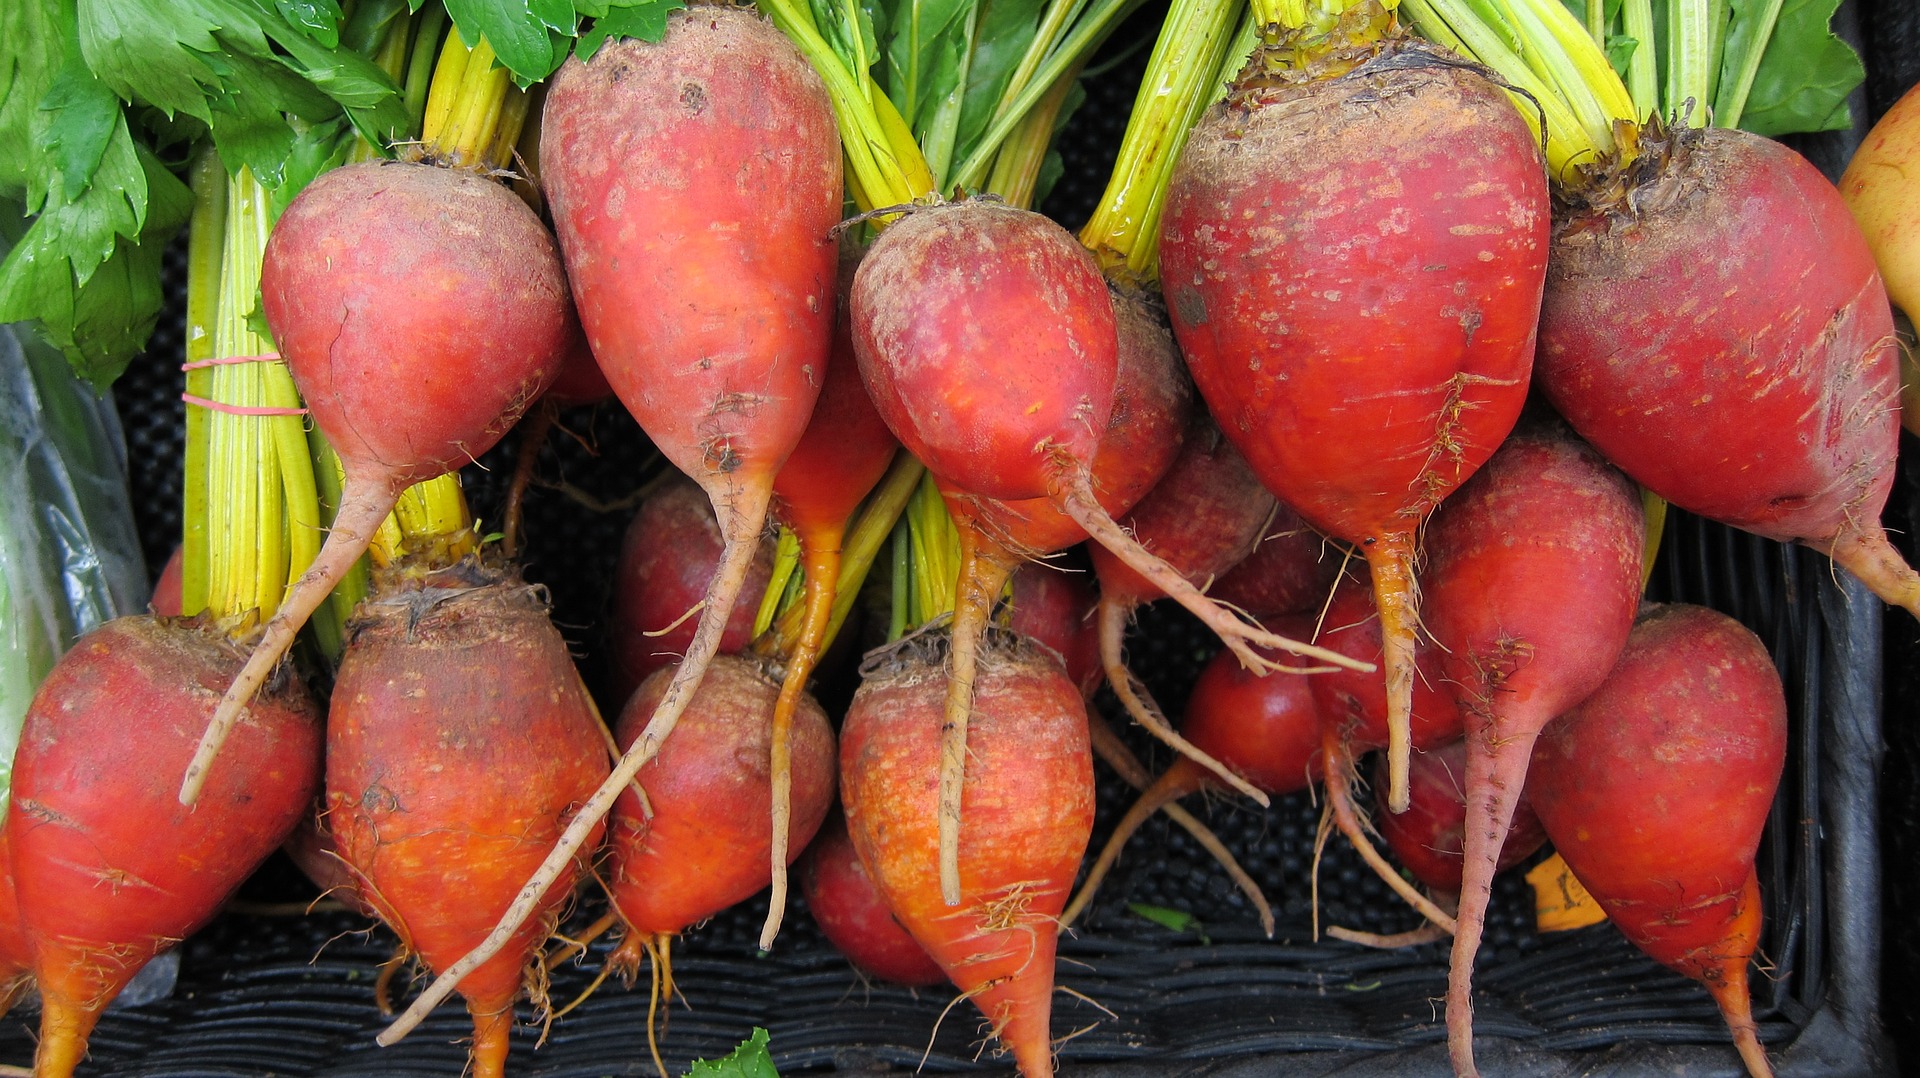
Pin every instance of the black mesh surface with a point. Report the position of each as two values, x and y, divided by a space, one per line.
292 995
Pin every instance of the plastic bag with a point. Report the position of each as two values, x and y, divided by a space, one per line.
69 556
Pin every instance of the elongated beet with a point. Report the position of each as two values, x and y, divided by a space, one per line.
1723 336
420 310
694 184
1029 810
841 456
1656 789
1532 581
109 868
1353 266
460 744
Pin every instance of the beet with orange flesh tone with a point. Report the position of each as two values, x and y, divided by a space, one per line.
460 744
1029 810
1724 338
1656 789
109 868
1533 578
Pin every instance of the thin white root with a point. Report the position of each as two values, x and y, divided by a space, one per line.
1078 502
1140 704
742 514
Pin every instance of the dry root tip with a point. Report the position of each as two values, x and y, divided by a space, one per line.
1427 933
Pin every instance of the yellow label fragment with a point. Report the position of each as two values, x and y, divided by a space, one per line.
1560 902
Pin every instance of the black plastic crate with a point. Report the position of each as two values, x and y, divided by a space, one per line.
264 994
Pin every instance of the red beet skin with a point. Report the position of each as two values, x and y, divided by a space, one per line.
110 869
467 313
1266 729
16 952
1656 789
846 446
850 912
1353 717
666 561
1289 572
711 316
1055 607
1152 409
1028 805
1204 516
1353 267
1427 837
939 299
419 310
1533 577
1354 705
1731 347
706 844
460 743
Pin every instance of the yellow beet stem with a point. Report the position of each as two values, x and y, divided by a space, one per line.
205 251
1092 28
1194 45
1690 61
786 563
1548 57
1314 16
884 164
444 90
265 523
390 57
1643 73
1016 169
865 539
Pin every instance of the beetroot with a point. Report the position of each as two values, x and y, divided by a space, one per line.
109 868
1428 837
1532 582
1029 809
420 310
1724 337
667 559
1655 791
850 912
460 744
1353 266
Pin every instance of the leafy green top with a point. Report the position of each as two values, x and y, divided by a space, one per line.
750 1060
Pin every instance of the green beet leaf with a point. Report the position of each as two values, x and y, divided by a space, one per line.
522 32
642 19
1805 74
750 1060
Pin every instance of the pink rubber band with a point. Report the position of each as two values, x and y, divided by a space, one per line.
221 361
235 409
